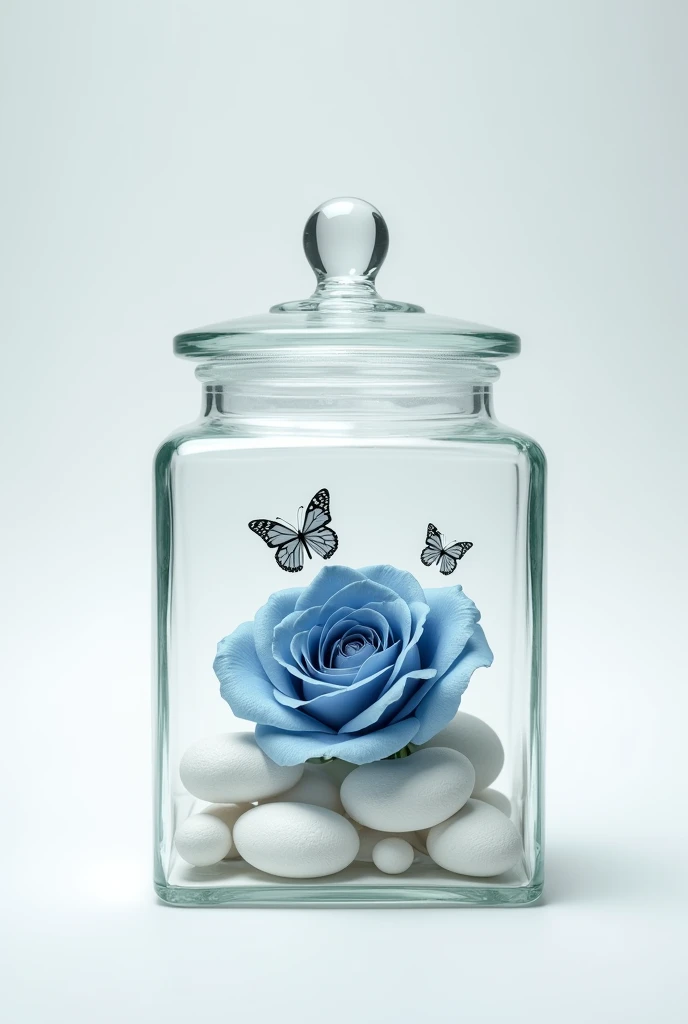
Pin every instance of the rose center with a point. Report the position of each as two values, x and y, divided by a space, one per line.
352 647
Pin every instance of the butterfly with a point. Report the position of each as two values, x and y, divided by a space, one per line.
435 551
313 534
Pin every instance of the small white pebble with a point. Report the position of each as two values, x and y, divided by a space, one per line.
393 855
370 837
229 813
203 839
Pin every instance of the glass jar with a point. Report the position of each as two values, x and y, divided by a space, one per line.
329 532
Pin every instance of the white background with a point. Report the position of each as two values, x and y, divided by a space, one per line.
159 160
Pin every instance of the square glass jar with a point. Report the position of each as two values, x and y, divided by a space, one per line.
375 421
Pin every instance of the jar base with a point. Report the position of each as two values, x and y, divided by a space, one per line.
298 895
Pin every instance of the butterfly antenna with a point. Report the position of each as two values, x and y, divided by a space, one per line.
278 519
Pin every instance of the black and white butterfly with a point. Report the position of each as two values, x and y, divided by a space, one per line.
446 557
313 534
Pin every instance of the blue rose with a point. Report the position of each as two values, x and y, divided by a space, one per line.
356 665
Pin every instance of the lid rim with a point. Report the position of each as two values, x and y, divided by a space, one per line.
203 345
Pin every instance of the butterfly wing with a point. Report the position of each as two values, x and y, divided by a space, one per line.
318 511
459 549
271 532
447 563
289 554
433 546
451 555
316 532
323 541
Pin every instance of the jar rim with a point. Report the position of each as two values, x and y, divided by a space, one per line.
321 366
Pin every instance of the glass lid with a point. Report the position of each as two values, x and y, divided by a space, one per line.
346 241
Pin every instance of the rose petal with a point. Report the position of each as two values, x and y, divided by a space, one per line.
333 630
358 595
372 618
398 615
246 688
316 688
338 677
364 616
287 748
284 631
409 661
325 689
329 580
435 705
409 658
336 707
379 660
273 611
398 580
290 643
313 643
448 627
308 673
390 620
298 648
400 690
313 688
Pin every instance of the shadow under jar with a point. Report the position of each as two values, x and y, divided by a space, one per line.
349 606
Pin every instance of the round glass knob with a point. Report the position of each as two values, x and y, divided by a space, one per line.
346 238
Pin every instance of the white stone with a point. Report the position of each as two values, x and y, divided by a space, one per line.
408 793
393 855
229 814
370 837
295 840
231 768
203 839
478 840
314 787
477 741
497 799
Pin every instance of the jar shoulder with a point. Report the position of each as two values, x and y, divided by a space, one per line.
525 445
174 442
196 440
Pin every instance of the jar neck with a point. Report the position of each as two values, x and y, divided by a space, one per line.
346 396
